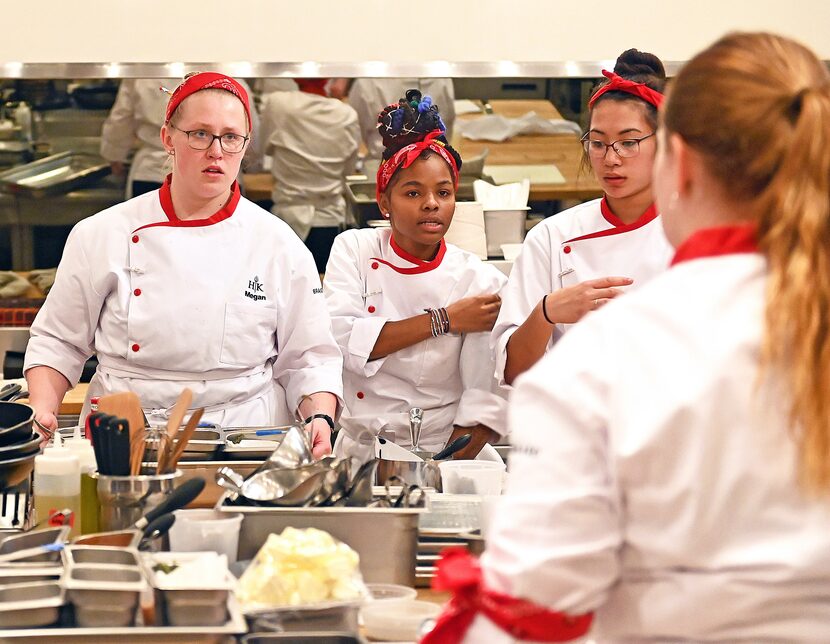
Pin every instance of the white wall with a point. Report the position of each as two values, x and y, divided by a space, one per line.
155 31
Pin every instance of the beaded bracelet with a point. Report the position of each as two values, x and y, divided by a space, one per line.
439 322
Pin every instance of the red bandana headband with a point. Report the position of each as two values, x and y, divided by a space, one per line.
406 156
621 84
207 80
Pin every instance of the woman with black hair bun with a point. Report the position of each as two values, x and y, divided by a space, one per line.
580 259
411 313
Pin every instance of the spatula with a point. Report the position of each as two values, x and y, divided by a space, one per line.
174 421
127 405
184 438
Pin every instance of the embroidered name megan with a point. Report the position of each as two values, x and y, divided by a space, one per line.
254 297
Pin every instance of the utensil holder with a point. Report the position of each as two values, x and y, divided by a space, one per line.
124 500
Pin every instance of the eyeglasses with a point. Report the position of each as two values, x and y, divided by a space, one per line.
625 148
202 140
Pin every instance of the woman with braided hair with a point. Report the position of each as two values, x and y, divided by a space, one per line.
680 490
581 258
411 313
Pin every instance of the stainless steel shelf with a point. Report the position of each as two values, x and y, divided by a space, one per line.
311 69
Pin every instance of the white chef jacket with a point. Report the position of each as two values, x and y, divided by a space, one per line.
313 142
136 119
230 306
653 479
368 96
371 281
582 243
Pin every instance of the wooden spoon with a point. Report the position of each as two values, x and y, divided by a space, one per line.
173 424
184 438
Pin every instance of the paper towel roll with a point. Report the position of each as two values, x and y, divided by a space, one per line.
467 228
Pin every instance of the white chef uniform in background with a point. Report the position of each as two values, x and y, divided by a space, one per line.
368 96
135 120
451 377
582 243
663 490
229 306
313 142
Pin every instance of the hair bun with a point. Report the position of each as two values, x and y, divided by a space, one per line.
639 66
408 121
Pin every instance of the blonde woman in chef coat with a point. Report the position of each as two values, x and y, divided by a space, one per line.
411 313
133 124
192 286
577 260
681 492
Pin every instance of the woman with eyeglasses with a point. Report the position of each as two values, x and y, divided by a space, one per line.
192 286
577 260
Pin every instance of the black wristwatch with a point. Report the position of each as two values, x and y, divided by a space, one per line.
325 417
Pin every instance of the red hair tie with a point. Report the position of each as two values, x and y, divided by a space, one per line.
459 572
406 156
621 84
207 80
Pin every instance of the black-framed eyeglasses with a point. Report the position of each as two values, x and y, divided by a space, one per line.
202 139
625 148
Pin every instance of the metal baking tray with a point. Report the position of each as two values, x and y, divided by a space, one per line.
260 442
385 538
101 556
53 175
203 444
19 543
30 605
317 637
235 625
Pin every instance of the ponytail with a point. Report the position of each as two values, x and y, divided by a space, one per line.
757 108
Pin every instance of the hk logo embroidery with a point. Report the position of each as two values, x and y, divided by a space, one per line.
255 289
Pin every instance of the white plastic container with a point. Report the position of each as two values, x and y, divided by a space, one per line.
204 530
57 484
23 117
504 227
398 621
472 477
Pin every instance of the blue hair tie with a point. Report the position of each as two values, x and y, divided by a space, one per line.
397 119
441 125
425 104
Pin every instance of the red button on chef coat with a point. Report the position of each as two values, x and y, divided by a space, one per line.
137 291
135 347
360 395
135 239
371 309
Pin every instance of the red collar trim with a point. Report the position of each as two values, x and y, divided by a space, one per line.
619 226
166 201
421 266
713 242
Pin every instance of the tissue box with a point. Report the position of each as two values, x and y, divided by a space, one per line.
504 227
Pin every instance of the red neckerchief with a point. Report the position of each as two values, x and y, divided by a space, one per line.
166 202
459 573
407 155
621 84
421 265
712 242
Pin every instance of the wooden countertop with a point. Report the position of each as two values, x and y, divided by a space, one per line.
562 150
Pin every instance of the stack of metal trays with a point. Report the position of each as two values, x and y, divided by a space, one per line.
450 518
53 175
